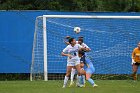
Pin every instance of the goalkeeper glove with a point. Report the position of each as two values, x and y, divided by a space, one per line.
133 62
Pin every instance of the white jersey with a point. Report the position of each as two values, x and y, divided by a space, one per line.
83 45
72 51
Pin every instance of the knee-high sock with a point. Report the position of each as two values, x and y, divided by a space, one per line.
91 81
72 74
83 76
66 80
80 80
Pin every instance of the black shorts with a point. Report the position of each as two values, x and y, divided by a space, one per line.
137 63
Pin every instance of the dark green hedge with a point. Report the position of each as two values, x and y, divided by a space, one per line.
14 76
26 76
72 5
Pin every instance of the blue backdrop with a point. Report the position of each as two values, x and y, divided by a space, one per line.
16 39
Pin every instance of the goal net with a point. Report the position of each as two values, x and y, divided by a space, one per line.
111 39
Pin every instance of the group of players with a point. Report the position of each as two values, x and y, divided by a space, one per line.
78 61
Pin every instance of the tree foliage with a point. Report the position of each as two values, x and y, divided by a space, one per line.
72 5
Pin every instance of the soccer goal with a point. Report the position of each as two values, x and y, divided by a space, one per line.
111 39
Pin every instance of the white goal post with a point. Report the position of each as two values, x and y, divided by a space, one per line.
84 16
68 16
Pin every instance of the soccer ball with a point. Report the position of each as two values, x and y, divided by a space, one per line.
77 30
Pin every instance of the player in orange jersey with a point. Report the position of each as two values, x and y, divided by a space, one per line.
135 61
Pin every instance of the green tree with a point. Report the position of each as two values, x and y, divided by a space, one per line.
72 5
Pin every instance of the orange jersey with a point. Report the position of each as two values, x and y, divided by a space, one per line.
136 55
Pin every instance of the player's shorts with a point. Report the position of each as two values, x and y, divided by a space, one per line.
73 63
136 63
90 70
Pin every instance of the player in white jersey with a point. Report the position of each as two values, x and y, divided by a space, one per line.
87 49
73 71
73 60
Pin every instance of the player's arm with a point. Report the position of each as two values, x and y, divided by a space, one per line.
87 49
65 52
67 43
66 40
133 56
82 48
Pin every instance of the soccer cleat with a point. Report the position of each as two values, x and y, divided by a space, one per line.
64 86
77 84
71 83
84 85
95 85
81 86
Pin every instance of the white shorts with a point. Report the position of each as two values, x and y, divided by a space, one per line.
73 63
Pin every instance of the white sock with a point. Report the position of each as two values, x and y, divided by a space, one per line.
77 82
66 80
72 74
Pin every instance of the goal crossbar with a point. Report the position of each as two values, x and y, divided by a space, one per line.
96 17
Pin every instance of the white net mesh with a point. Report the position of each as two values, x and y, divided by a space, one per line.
111 42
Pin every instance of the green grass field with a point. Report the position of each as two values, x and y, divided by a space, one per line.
105 86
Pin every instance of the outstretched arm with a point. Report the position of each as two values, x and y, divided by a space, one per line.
68 55
65 40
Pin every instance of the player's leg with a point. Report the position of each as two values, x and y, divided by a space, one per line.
135 69
89 72
80 81
73 71
77 82
84 81
79 72
88 75
67 75
83 75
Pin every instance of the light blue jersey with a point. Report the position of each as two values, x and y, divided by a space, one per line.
89 68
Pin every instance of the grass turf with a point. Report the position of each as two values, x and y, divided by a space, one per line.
105 86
